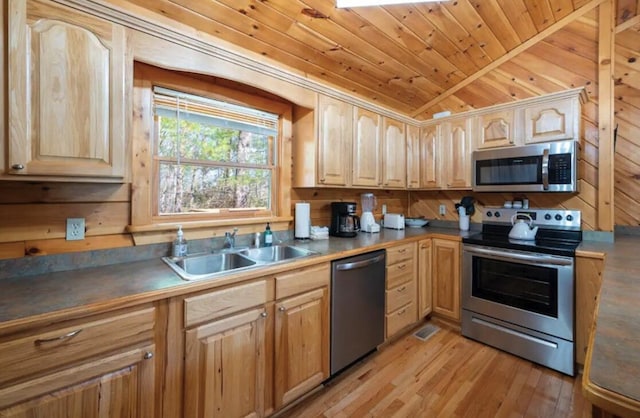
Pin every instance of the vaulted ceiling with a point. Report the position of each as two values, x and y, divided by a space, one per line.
403 57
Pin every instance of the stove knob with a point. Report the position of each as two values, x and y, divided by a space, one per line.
489 214
569 218
496 214
558 217
547 217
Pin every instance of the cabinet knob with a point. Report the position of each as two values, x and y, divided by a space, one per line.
322 180
18 166
263 314
148 355
282 309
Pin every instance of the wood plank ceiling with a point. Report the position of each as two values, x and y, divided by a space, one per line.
402 57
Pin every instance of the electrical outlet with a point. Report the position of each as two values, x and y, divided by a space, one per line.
384 209
443 210
75 229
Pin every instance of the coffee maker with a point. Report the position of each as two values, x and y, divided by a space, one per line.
344 221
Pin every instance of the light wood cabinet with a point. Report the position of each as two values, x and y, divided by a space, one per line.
425 267
550 121
394 162
82 368
367 148
414 162
446 278
588 283
495 129
401 296
225 351
429 156
67 107
456 153
334 141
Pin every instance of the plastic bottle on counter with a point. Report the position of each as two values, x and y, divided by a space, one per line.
180 244
268 236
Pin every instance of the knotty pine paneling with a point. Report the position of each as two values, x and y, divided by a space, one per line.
627 118
33 217
397 201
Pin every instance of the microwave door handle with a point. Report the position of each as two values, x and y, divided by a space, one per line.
545 169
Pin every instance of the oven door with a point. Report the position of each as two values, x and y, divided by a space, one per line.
531 290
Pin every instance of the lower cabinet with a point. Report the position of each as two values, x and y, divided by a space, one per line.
588 282
254 347
103 366
425 286
401 303
446 278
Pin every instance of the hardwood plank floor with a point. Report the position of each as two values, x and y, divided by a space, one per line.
446 376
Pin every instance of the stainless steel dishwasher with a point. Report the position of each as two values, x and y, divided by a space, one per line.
357 307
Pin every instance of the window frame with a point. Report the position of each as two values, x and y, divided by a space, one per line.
145 182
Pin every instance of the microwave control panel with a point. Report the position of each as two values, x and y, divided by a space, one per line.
560 169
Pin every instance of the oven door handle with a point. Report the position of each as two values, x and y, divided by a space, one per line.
510 256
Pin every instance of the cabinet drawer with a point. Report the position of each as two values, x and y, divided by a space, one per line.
400 319
400 253
69 342
399 296
298 281
400 273
216 304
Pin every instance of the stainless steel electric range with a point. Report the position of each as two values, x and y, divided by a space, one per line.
518 295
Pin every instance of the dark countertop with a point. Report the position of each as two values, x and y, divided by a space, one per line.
612 367
45 298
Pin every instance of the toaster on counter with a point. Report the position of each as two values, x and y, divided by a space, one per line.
394 221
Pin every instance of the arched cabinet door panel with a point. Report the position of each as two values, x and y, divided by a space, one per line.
66 88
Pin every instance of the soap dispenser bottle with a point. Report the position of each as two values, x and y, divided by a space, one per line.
180 244
268 236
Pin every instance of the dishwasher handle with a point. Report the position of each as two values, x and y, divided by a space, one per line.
359 264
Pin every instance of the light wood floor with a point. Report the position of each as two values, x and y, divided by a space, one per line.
446 376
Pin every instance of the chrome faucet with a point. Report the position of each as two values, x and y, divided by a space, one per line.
230 239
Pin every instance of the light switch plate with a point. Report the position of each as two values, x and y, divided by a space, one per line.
75 229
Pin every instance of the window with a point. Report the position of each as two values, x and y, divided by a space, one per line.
212 156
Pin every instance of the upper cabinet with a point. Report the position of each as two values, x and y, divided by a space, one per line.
334 141
394 172
456 153
67 109
556 120
430 141
496 129
413 157
367 148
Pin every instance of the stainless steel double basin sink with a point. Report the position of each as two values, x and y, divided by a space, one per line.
207 266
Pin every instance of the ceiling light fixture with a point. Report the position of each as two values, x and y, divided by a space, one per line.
361 3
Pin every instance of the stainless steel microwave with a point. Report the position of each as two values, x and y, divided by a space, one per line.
544 167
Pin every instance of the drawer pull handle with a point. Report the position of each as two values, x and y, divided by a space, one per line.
402 289
148 355
263 314
402 266
402 251
401 312
17 166
72 334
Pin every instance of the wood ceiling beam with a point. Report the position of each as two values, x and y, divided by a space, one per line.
628 24
514 52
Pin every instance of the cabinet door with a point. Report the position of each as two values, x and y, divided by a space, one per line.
496 129
446 278
458 154
429 161
425 267
66 87
552 121
334 141
301 344
366 149
118 386
413 157
225 367
395 154
588 283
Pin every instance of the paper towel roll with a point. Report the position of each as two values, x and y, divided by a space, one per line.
303 221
